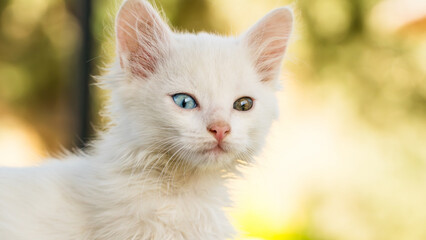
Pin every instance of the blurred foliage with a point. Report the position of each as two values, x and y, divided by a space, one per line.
378 71
340 54
38 39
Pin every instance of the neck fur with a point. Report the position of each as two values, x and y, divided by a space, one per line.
153 171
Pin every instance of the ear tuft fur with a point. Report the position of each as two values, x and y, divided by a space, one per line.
142 37
268 40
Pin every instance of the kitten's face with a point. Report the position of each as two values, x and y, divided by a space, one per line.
206 100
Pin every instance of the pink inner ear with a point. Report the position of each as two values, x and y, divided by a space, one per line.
270 58
142 62
268 41
142 37
144 57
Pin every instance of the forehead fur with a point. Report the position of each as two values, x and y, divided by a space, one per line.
208 62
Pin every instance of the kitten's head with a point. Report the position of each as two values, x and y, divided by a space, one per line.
206 100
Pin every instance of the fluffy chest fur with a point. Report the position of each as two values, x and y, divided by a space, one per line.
195 214
158 205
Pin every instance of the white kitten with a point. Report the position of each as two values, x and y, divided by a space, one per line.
185 109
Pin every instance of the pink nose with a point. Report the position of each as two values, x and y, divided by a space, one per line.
219 130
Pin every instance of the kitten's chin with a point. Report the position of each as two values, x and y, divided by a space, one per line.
215 157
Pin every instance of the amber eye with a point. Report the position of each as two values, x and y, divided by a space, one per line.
243 104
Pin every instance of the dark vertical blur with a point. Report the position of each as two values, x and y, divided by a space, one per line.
81 95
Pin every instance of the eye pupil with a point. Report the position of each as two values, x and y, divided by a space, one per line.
244 104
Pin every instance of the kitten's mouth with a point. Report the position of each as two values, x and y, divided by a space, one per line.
218 149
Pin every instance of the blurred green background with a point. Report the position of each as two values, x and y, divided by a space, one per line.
346 160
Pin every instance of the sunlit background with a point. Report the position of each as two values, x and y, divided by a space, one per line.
345 161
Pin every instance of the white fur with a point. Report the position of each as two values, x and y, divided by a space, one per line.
147 177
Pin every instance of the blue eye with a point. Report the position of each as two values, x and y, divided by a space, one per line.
184 101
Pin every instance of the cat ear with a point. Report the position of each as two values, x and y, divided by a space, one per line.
142 37
268 40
